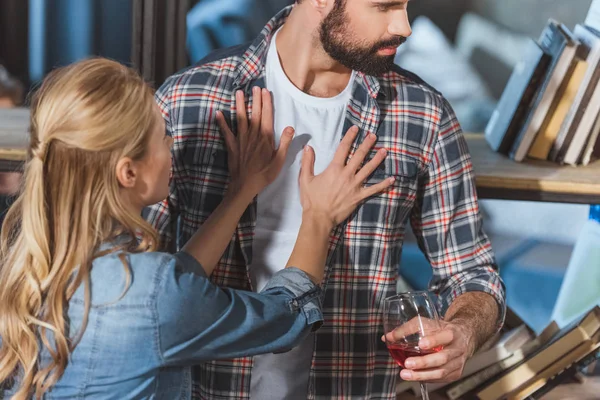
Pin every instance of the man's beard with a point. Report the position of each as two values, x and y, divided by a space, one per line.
337 42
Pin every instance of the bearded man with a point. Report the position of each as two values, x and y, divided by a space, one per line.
329 66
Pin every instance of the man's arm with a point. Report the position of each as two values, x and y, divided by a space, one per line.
448 227
164 215
477 312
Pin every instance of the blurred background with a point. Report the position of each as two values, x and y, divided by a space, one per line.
466 49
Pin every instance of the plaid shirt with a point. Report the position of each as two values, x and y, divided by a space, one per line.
434 189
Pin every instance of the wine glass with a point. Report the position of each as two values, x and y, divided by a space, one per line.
407 318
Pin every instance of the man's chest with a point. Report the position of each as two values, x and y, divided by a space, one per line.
205 172
377 218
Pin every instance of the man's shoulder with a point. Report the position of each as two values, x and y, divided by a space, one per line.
228 54
412 84
222 63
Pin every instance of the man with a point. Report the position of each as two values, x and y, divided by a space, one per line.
329 65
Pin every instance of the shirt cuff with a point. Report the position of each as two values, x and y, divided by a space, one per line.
306 296
487 280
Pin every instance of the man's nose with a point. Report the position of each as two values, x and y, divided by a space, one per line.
400 25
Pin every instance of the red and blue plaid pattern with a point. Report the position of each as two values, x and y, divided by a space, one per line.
434 190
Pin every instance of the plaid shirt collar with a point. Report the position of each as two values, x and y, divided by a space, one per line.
252 66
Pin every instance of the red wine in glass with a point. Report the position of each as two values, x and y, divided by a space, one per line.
401 351
407 318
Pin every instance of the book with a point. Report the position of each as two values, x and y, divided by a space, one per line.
560 43
572 358
569 374
565 100
573 146
593 16
517 97
580 288
504 347
592 147
565 342
573 136
467 385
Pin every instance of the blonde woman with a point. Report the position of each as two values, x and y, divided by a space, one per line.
88 309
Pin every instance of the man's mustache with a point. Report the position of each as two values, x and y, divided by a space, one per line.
395 42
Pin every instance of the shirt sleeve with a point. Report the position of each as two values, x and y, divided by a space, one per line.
199 321
447 223
164 215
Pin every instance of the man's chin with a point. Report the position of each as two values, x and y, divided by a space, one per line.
378 66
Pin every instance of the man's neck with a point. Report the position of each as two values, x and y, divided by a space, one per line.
303 59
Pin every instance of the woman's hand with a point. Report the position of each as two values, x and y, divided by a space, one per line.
335 193
253 160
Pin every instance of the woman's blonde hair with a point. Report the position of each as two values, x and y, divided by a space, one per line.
84 118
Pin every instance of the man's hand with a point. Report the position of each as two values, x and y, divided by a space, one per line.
469 322
447 364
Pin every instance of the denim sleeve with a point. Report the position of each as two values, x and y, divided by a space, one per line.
199 321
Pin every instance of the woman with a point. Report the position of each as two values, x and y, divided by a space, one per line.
88 308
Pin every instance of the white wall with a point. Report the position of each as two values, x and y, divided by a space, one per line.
553 222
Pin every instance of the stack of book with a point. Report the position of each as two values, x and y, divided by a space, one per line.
550 106
522 365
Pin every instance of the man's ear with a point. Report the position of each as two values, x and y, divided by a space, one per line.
126 172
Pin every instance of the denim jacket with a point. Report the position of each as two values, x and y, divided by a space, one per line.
140 342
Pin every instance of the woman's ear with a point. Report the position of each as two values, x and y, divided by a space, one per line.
126 172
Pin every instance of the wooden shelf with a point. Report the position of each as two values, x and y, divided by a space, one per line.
14 138
499 177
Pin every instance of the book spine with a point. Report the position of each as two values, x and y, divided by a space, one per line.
566 374
474 381
553 42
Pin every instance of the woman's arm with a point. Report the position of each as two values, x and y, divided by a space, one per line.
199 321
253 164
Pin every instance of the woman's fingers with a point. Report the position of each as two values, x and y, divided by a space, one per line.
256 116
341 154
241 115
266 123
371 166
281 153
361 153
377 188
307 168
228 135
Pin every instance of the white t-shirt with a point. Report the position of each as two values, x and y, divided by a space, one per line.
319 123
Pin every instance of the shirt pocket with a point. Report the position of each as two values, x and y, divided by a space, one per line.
390 208
405 169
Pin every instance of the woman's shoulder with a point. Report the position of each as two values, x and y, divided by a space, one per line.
146 262
130 278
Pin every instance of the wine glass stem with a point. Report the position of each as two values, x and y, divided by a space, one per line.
424 394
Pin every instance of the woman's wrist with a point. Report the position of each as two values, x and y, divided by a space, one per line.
318 222
239 192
